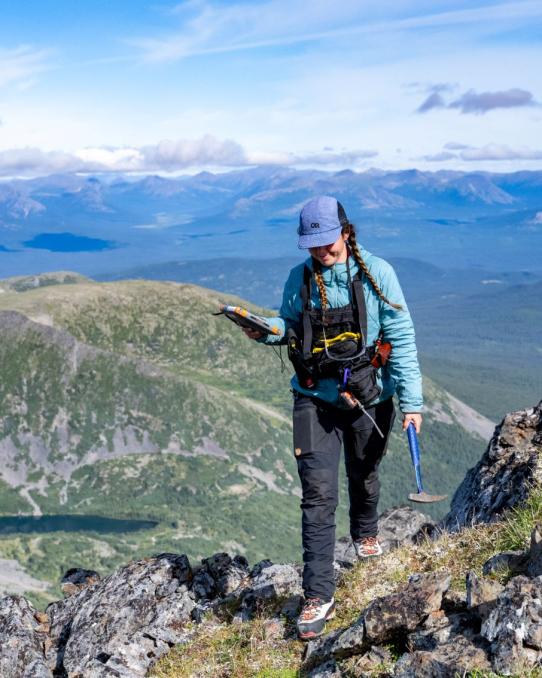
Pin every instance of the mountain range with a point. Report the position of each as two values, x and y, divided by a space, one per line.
98 225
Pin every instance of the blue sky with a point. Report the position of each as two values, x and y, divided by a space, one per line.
176 87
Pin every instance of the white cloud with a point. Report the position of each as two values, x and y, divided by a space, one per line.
165 156
171 155
481 102
500 152
456 146
211 28
440 157
495 152
18 65
23 161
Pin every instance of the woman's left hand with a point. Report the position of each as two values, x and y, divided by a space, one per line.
415 418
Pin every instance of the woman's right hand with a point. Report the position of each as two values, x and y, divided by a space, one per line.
252 334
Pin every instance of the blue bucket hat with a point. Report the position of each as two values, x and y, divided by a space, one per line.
320 222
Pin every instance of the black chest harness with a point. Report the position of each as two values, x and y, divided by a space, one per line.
333 343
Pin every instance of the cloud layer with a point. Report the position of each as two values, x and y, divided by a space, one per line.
495 152
165 156
210 27
480 102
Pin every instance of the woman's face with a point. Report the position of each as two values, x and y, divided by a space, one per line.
334 253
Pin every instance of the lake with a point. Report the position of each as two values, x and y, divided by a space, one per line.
70 523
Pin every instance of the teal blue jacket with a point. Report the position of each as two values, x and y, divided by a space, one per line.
401 374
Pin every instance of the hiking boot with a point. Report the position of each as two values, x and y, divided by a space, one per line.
367 547
313 616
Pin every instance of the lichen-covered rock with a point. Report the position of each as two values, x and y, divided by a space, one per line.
328 669
386 618
374 662
22 640
319 650
77 578
352 640
123 623
403 525
514 626
502 478
482 594
403 611
534 557
396 527
512 561
271 583
440 628
449 660
228 573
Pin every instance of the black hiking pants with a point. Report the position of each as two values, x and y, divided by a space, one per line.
320 430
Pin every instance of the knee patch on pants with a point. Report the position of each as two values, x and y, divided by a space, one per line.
319 484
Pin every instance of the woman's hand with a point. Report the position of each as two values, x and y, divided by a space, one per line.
415 418
252 334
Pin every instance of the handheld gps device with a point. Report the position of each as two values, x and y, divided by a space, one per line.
245 318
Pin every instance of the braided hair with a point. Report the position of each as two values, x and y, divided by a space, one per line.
350 229
352 245
317 268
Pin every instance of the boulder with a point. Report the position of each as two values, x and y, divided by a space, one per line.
122 624
403 611
440 628
375 660
502 478
227 573
320 649
23 636
77 578
534 557
514 626
482 594
269 586
386 618
396 526
328 669
507 561
352 640
456 658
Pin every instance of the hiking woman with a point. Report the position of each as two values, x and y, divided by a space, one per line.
341 309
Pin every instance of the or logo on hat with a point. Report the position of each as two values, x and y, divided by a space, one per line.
315 224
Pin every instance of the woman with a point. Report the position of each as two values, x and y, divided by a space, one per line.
340 311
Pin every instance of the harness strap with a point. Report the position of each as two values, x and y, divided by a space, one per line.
358 301
307 327
361 307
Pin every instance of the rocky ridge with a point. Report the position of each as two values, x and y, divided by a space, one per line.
122 624
505 475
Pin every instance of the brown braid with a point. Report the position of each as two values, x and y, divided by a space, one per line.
317 267
357 256
350 229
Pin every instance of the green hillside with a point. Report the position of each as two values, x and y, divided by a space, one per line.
131 400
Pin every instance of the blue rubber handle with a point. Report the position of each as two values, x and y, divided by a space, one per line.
415 454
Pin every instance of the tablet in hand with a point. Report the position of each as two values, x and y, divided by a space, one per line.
245 318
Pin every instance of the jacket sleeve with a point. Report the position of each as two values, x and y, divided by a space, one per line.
398 329
290 312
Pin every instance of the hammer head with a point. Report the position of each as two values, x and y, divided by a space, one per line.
424 498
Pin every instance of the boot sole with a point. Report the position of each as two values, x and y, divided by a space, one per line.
309 635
